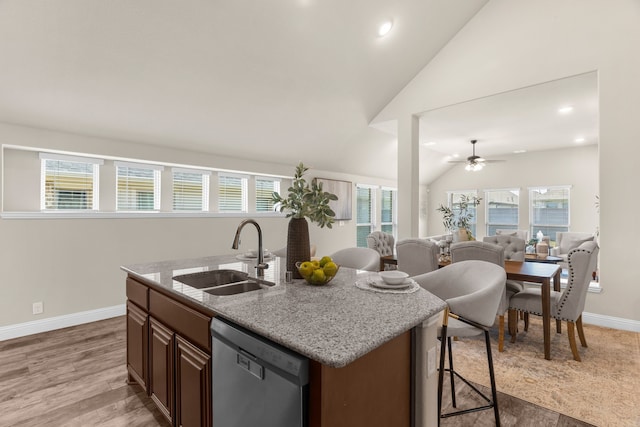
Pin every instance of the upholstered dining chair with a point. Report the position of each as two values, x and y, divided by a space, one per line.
383 243
490 252
472 290
360 258
567 305
417 256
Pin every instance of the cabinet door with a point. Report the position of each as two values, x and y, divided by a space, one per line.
161 384
137 335
193 385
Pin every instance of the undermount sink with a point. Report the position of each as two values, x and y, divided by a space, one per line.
210 279
223 282
236 288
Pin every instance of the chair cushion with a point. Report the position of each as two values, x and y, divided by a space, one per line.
456 328
530 300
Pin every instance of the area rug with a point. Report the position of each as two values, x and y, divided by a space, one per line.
603 389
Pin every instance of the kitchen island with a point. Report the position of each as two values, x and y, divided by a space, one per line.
367 350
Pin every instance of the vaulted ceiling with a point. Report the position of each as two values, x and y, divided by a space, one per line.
280 81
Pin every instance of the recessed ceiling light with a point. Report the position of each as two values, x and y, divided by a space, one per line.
519 151
579 140
384 28
455 156
565 110
427 144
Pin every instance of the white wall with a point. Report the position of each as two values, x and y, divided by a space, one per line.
73 265
512 44
575 167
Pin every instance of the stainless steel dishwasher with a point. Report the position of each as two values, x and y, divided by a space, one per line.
256 382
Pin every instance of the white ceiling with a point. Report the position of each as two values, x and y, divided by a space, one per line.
526 119
282 81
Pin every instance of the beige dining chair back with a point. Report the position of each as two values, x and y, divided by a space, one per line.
381 242
359 258
417 256
490 252
567 305
514 250
472 290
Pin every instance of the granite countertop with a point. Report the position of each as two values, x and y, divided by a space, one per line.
333 324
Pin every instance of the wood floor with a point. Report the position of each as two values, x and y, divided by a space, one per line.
77 377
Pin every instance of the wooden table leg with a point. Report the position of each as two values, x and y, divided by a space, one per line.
546 317
556 287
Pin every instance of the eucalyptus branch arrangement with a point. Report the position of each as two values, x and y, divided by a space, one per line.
306 200
462 217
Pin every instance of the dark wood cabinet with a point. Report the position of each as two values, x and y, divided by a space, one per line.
161 385
169 353
137 337
193 385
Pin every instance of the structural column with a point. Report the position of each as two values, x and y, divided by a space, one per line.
408 177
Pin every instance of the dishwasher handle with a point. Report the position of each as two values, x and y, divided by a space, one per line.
249 363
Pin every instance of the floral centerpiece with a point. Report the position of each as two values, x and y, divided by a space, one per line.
460 218
305 200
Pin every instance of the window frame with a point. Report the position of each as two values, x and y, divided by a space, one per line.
95 180
204 189
502 225
372 211
533 227
394 211
470 193
244 197
157 170
275 188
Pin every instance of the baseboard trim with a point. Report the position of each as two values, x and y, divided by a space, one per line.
611 322
59 322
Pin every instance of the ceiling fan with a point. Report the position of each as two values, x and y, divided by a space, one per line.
475 163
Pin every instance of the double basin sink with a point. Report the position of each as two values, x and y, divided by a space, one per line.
223 282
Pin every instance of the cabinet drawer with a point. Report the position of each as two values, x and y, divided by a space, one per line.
138 293
187 322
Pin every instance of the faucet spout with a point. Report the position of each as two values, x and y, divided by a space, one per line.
261 266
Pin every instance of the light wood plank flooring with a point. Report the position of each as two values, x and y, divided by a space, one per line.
77 377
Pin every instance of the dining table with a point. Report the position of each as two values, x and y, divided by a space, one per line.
542 273
533 272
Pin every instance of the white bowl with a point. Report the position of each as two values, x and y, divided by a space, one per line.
393 277
253 253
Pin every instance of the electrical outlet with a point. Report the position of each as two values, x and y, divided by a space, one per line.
38 307
431 361
341 223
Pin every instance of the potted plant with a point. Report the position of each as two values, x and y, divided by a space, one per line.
459 221
305 200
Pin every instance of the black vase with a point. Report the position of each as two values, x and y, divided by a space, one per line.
298 248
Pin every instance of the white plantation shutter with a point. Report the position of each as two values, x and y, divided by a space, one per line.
69 182
190 190
365 202
387 211
232 193
264 190
138 186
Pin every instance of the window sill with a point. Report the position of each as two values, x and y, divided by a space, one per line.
128 215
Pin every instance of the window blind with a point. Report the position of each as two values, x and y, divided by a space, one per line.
387 217
69 183
265 187
549 210
190 190
502 209
232 193
138 187
364 214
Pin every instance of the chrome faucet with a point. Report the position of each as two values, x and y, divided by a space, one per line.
261 266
